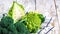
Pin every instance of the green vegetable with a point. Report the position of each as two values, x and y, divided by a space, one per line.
4 31
21 28
6 21
7 26
0 29
12 28
10 32
16 11
41 17
17 22
33 22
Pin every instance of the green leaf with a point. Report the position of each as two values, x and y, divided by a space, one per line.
42 18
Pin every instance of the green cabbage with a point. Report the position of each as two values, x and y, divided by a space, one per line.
16 11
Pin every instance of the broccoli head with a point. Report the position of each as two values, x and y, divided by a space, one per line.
11 28
21 28
6 21
3 30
